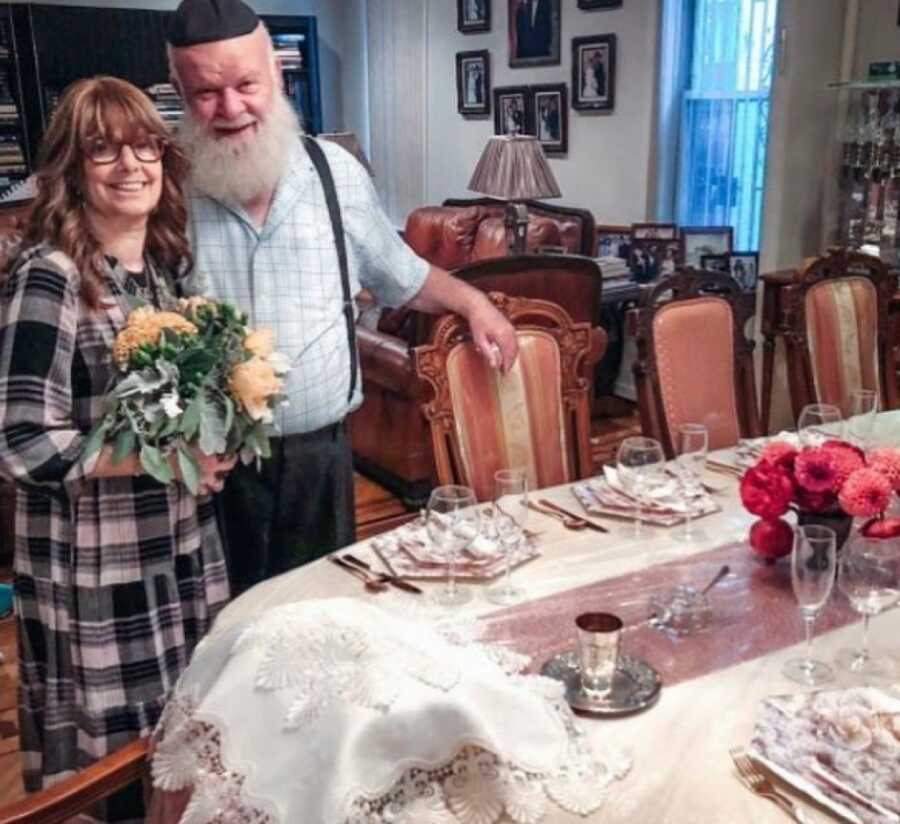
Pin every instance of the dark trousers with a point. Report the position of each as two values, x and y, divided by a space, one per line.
298 506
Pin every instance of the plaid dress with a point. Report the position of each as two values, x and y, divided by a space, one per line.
116 579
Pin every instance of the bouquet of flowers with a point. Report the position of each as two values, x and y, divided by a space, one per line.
196 376
835 478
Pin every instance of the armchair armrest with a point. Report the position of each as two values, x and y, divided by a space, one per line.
385 360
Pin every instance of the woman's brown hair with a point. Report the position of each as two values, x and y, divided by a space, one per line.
115 110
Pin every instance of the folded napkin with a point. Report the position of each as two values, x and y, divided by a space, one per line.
336 711
851 736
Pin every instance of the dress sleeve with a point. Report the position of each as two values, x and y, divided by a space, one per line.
39 441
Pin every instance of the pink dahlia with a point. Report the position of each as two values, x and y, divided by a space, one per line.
887 461
815 470
865 494
846 459
779 453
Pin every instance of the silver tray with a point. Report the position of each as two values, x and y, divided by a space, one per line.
635 687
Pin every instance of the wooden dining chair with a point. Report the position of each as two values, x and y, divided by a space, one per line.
694 361
536 417
79 792
838 330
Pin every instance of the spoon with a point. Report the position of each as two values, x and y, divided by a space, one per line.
371 584
718 577
568 522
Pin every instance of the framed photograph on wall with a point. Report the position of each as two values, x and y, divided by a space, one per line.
653 258
473 15
533 32
613 241
512 110
652 231
594 72
744 268
697 241
473 82
550 104
599 4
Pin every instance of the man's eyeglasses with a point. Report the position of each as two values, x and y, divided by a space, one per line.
147 149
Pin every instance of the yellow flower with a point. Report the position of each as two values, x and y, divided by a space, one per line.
145 325
260 343
190 305
252 384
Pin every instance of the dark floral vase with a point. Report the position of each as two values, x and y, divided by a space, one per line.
840 522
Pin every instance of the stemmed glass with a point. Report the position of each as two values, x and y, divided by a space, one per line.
510 512
861 423
813 564
693 444
452 524
818 422
869 575
637 460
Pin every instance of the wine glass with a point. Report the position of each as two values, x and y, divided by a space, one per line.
637 460
813 563
819 422
861 423
452 523
510 512
869 575
693 444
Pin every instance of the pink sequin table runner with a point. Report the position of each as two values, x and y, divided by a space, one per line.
754 613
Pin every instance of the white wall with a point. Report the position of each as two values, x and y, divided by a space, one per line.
606 169
342 49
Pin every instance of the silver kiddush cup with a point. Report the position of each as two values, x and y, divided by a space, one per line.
598 650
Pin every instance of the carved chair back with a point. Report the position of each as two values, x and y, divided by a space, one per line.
536 417
695 362
838 330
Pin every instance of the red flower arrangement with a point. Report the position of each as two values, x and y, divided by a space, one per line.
835 478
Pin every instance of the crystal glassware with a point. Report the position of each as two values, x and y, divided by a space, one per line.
693 445
861 423
818 422
869 575
813 563
452 522
510 513
637 460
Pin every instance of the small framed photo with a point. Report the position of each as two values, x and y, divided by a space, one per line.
654 231
533 32
473 82
715 263
653 258
512 110
473 15
550 104
697 241
744 268
599 4
594 72
613 241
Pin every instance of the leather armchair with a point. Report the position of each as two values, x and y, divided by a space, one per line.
390 435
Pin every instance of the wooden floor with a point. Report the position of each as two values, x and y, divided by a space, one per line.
376 511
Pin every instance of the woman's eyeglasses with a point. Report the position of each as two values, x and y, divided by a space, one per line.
147 149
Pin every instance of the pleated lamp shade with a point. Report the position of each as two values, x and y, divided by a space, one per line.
349 141
514 167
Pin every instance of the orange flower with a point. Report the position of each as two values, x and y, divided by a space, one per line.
260 343
145 325
252 384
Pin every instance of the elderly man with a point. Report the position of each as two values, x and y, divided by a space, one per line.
290 230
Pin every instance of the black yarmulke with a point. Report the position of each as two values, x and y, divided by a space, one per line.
205 21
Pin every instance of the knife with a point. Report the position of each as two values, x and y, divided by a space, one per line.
826 776
391 578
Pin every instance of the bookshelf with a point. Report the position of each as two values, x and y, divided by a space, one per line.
14 156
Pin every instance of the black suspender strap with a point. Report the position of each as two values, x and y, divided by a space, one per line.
317 156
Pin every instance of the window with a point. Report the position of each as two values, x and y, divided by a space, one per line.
725 117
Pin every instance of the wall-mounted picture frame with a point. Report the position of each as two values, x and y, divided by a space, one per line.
613 241
473 16
534 27
550 104
599 4
654 231
652 258
594 72
697 241
473 82
512 110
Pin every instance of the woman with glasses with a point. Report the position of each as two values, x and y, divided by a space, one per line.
117 576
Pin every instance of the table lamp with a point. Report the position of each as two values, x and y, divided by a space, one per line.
514 168
350 142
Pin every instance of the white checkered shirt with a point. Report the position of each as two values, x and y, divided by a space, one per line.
286 276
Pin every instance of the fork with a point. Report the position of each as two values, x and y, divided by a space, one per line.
759 783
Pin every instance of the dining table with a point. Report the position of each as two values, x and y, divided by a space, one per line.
713 681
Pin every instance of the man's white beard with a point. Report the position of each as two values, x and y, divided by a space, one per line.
238 172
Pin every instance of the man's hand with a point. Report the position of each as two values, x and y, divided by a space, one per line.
494 335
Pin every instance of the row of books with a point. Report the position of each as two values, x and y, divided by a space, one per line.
167 103
289 50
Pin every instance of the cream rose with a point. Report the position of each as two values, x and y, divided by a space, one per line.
260 342
252 384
